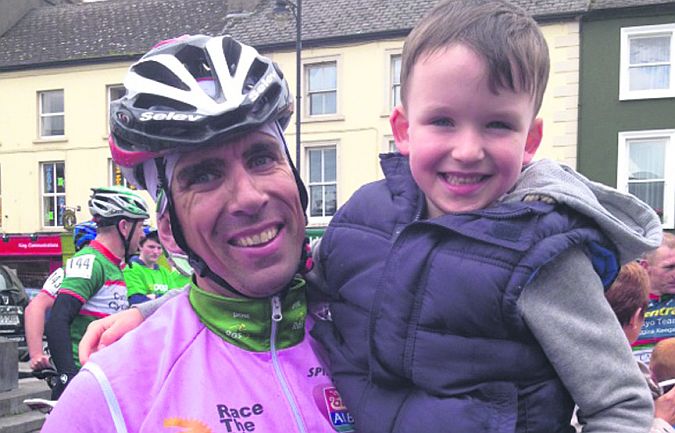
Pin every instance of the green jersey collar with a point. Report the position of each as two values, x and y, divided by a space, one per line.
247 323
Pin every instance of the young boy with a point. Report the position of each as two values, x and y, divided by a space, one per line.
467 287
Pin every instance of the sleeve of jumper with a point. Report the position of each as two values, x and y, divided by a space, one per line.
147 309
65 309
567 313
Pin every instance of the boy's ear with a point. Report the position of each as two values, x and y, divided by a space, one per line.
534 136
399 126
166 235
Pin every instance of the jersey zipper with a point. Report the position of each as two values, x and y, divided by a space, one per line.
276 318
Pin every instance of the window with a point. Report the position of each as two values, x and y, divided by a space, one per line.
395 80
114 92
647 54
51 114
322 88
116 177
392 145
53 193
322 181
647 170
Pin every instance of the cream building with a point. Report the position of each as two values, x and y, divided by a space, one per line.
61 65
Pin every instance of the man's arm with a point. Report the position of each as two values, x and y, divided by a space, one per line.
104 332
567 313
66 307
35 326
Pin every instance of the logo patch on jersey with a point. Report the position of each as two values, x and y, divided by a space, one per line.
187 425
80 266
337 412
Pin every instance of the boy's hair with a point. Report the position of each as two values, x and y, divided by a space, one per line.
152 236
629 292
504 35
662 362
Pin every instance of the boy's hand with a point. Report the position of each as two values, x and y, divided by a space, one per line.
664 407
104 332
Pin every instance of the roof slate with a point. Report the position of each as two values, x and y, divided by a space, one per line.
127 28
615 4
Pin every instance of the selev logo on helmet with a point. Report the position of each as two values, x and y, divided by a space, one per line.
171 115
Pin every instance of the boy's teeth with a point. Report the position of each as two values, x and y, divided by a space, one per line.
257 239
457 180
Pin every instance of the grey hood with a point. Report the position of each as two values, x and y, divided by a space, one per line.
629 223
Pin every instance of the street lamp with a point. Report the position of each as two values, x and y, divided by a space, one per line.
282 6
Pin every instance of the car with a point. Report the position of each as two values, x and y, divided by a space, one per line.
13 301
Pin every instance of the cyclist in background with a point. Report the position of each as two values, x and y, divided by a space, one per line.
36 311
93 286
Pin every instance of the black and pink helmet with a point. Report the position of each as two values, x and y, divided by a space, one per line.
190 92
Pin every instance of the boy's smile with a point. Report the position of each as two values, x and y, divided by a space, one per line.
466 144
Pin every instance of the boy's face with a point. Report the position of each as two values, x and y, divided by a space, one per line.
466 145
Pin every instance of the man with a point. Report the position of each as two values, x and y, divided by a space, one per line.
93 286
660 316
37 309
145 279
233 352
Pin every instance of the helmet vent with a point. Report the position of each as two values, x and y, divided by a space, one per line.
232 52
160 103
195 61
255 73
160 73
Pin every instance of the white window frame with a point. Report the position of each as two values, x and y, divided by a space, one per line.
53 195
108 90
307 65
392 81
669 184
321 220
42 115
628 33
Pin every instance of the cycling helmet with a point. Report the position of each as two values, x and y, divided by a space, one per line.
115 202
187 93
83 233
194 91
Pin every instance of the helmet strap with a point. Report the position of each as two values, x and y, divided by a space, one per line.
126 242
198 264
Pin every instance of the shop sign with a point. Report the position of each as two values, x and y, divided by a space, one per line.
14 245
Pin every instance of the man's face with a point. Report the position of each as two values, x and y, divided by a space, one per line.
150 252
662 271
239 207
137 234
465 143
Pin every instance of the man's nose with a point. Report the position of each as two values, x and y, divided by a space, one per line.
248 198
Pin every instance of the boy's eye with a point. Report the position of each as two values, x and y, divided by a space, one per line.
198 178
498 124
259 161
442 122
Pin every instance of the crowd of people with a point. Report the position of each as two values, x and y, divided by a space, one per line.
474 289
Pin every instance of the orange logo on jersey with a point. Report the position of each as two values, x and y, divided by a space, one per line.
190 425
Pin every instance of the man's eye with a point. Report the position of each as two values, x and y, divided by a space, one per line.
260 161
201 178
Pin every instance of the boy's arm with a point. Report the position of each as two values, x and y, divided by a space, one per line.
566 311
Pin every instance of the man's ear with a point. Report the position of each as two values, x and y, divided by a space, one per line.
166 235
533 140
399 127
